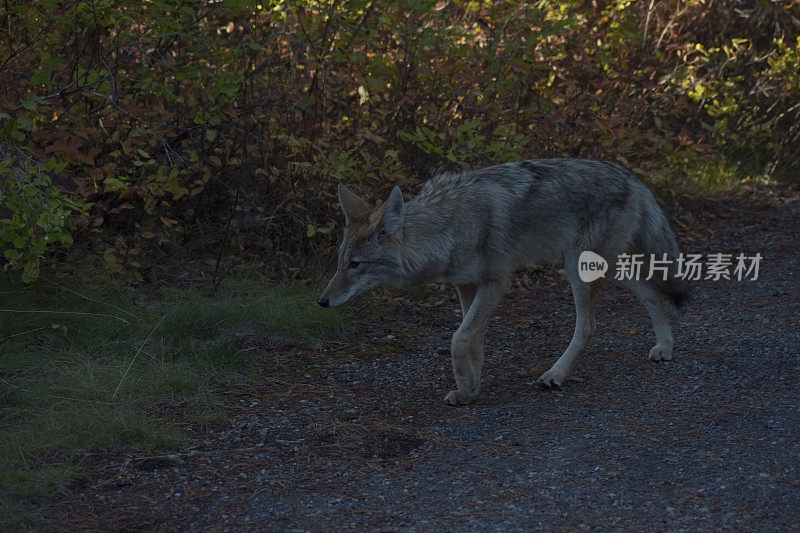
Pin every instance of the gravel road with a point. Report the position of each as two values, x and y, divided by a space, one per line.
359 438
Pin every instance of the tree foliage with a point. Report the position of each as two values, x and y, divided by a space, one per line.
148 131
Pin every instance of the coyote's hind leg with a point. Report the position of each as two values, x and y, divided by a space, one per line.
585 296
654 303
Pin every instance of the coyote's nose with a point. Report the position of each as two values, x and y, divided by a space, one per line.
324 302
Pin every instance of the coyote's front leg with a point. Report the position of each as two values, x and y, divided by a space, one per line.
467 345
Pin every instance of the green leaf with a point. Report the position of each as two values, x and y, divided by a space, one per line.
114 184
211 135
12 254
25 123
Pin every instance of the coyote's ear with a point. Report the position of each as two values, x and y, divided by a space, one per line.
353 206
392 216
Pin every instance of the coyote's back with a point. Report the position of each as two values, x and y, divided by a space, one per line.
539 211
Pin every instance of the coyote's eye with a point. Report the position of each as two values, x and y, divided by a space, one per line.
353 264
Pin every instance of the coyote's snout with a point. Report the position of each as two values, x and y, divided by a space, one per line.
475 228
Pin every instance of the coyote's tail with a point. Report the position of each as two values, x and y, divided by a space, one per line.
656 237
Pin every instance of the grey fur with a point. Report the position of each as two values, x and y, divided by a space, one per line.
475 228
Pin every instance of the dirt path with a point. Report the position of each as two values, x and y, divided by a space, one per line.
709 440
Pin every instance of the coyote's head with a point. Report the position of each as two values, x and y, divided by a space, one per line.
369 255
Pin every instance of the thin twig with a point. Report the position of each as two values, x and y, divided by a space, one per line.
647 23
113 396
64 313
87 298
22 333
44 31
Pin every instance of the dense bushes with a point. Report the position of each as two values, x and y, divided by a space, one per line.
173 129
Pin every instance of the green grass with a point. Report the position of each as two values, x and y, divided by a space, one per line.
85 370
700 174
719 176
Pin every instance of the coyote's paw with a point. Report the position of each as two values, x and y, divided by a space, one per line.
661 352
457 397
552 378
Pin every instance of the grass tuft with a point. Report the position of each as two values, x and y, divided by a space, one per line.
84 370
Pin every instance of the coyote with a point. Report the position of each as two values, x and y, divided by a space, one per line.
475 228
